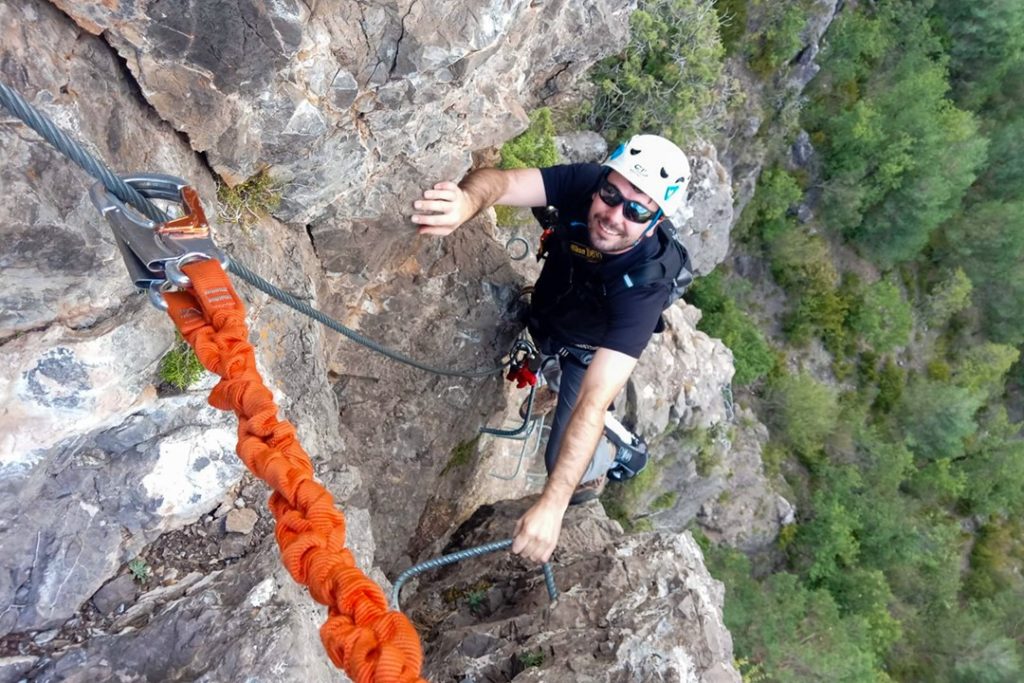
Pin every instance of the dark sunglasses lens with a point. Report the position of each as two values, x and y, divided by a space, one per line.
636 213
633 211
609 194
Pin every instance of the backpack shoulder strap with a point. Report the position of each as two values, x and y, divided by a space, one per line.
671 266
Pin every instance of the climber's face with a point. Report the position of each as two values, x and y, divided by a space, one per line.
619 215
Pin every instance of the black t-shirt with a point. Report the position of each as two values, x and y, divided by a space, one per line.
570 305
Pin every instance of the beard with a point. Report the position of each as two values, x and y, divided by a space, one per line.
607 236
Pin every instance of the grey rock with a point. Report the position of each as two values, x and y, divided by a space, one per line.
680 378
115 594
210 633
13 668
581 147
240 521
631 607
423 67
801 151
704 221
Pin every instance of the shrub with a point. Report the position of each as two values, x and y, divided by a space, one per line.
245 203
180 367
534 147
767 214
778 39
664 81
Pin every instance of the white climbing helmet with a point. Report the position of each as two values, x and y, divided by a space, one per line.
656 166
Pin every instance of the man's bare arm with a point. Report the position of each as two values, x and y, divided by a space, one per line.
537 531
448 205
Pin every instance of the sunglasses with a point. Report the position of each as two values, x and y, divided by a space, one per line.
632 210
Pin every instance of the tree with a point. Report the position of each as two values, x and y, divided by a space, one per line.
898 155
665 80
883 317
936 418
802 412
947 297
985 40
987 241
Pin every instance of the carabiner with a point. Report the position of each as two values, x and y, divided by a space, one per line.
155 252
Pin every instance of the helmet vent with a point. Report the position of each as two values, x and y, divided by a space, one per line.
664 173
634 151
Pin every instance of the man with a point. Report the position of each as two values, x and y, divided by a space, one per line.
584 306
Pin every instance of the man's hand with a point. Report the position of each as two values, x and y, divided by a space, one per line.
443 209
537 531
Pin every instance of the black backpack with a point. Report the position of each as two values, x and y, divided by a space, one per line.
671 265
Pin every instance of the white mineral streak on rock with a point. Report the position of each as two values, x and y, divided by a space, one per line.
194 468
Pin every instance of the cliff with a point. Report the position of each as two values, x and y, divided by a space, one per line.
135 545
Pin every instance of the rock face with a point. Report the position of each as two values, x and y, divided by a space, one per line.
354 103
353 108
637 608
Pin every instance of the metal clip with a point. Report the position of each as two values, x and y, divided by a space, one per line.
154 253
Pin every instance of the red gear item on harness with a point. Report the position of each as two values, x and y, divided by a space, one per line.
522 376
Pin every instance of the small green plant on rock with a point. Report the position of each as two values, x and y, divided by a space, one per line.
140 571
532 658
179 367
460 455
246 203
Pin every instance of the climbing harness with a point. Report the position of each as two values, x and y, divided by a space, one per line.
445 560
162 254
523 351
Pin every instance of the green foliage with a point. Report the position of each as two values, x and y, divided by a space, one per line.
985 41
535 146
665 501
802 265
461 455
767 214
778 39
246 203
936 418
531 659
664 80
993 467
790 632
891 380
947 297
802 413
987 241
732 23
722 318
882 318
982 369
898 155
180 367
139 570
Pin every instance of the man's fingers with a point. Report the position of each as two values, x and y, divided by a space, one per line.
439 219
446 185
445 195
438 205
